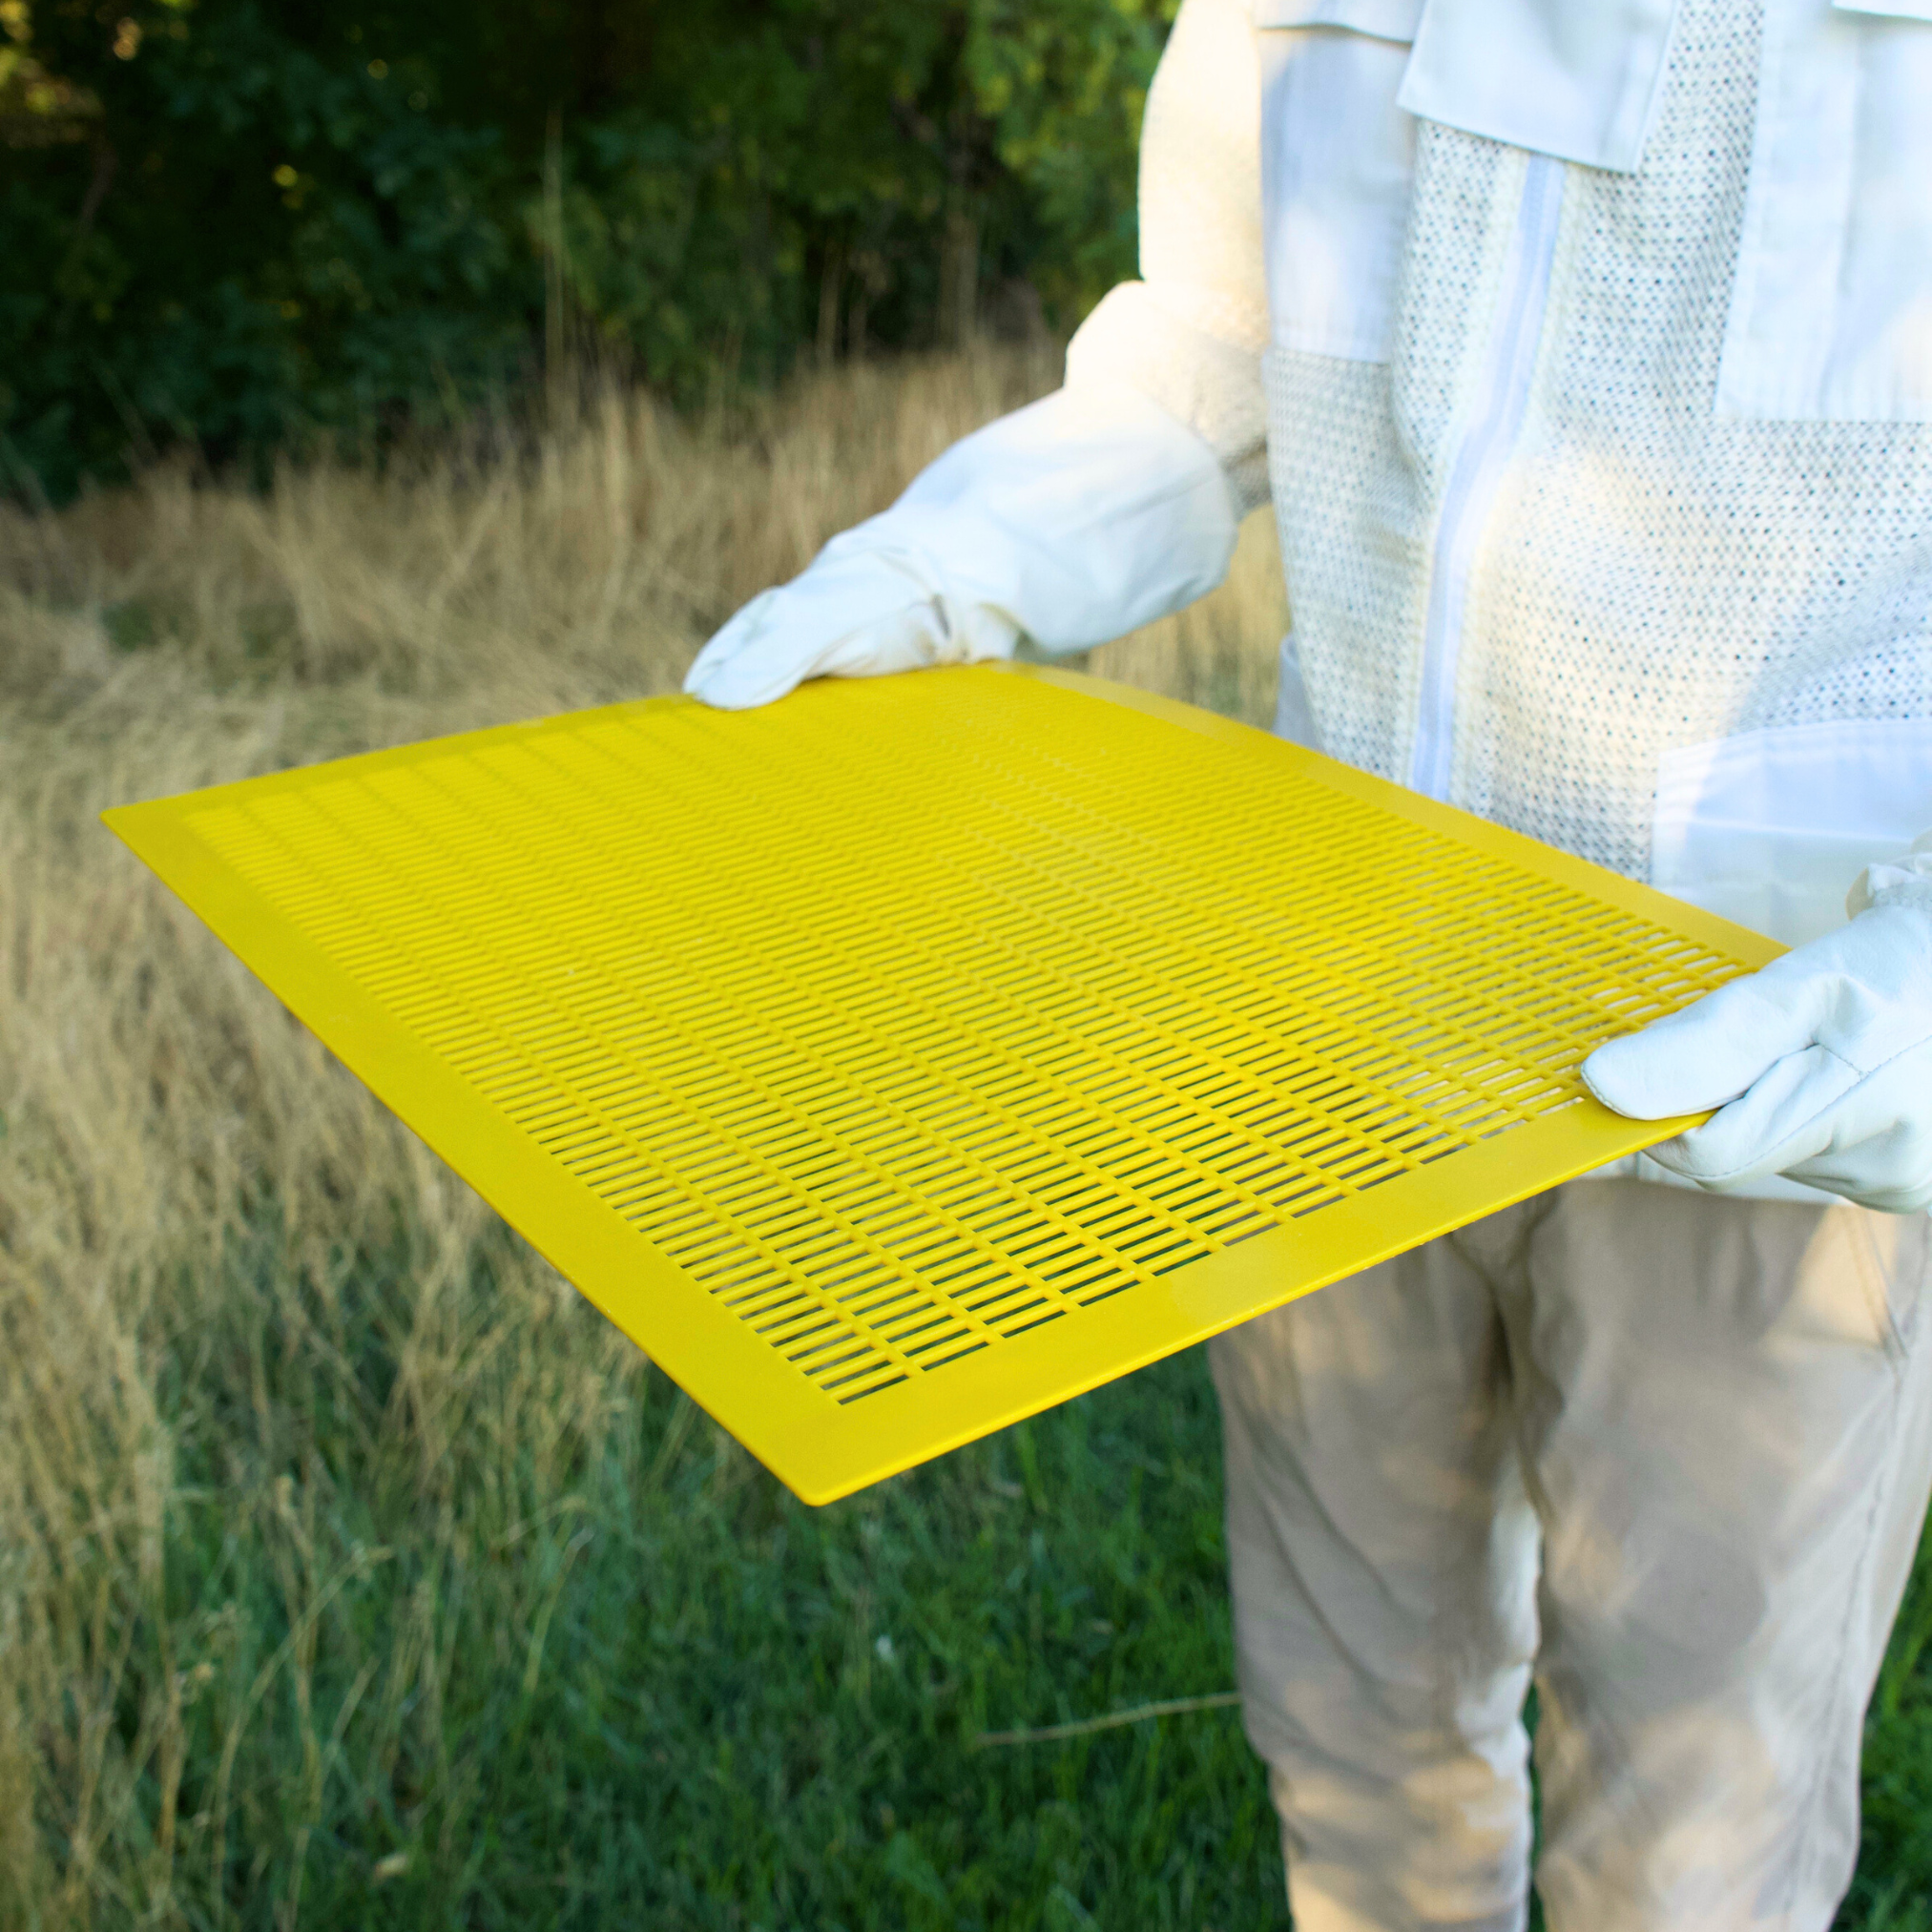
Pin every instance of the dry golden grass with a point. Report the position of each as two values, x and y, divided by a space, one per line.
189 1189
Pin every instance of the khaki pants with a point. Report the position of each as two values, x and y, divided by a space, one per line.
1668 1454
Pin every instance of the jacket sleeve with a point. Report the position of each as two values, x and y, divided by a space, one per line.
1189 335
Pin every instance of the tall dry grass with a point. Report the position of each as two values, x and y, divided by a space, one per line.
245 1320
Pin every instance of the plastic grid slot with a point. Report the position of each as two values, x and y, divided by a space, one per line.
907 1017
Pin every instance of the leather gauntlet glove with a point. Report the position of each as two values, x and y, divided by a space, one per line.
1820 1067
1070 521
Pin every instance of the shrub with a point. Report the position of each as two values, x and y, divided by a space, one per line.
244 227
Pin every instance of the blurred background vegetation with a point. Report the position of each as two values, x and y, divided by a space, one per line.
246 228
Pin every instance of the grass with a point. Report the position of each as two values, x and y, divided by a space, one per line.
585 1664
352 1571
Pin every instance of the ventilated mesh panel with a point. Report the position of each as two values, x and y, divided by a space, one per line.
907 1018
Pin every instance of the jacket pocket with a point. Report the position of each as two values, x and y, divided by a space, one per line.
1771 828
1338 158
1831 308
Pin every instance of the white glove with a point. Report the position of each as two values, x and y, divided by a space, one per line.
1820 1066
1070 521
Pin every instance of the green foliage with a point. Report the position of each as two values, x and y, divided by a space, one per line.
242 225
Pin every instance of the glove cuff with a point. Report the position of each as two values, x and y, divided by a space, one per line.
1198 361
1908 882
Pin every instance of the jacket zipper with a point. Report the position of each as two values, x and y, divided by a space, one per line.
1478 470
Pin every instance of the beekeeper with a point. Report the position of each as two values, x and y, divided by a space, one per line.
1584 347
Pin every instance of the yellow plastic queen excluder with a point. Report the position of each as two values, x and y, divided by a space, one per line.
906 1057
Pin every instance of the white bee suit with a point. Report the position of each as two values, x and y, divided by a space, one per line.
1585 350
1592 519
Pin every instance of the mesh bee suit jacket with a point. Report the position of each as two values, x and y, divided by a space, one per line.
1604 491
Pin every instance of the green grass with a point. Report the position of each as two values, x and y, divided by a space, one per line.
618 1676
1893 1891
642 1685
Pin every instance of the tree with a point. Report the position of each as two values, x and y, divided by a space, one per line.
240 224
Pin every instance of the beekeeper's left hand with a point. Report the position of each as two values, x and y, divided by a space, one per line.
1820 1066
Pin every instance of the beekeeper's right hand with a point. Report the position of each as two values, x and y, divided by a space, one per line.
1070 522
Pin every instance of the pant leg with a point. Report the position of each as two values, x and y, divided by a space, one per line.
1726 1410
1382 1563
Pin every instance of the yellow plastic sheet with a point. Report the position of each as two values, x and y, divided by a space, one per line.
912 1054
